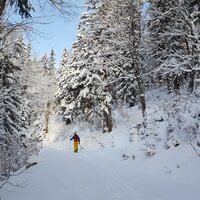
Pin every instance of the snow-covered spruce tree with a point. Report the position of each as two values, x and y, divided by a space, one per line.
39 85
125 22
31 79
63 72
174 41
21 54
14 121
45 63
52 60
97 63
52 68
101 54
63 67
20 94
63 64
75 74
84 93
48 63
64 59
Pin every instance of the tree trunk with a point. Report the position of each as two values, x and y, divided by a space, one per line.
143 104
176 83
107 120
191 82
107 107
47 118
141 95
168 80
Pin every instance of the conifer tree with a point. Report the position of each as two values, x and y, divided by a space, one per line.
64 59
62 77
86 92
52 61
62 71
14 120
45 63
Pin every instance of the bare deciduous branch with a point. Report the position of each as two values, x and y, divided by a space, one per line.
196 152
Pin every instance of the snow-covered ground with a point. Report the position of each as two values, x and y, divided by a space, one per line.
114 166
106 174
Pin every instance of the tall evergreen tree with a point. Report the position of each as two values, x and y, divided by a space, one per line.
45 63
14 121
64 59
52 60
86 93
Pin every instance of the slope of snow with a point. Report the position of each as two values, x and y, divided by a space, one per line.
114 166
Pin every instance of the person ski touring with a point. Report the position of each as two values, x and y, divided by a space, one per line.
76 142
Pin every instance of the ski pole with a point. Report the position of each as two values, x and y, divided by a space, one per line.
80 146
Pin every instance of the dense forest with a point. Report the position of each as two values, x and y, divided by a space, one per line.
123 49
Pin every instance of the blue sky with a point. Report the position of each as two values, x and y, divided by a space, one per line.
58 34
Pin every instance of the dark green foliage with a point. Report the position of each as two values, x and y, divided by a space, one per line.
24 7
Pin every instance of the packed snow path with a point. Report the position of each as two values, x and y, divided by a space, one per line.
101 175
62 175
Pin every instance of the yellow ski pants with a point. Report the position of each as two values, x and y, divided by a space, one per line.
76 146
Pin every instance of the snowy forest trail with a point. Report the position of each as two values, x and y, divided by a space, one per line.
63 175
102 174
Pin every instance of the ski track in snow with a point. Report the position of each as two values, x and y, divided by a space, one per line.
98 175
63 175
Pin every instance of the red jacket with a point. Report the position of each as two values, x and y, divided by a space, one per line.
75 138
